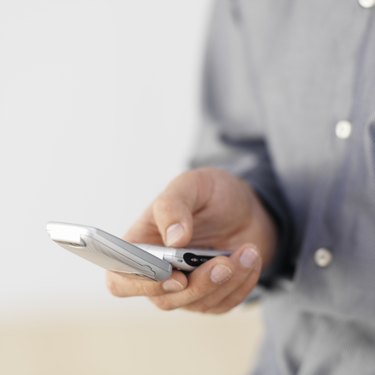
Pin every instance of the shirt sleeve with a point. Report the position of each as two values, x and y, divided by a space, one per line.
231 135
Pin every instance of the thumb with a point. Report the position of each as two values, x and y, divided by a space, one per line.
174 220
173 210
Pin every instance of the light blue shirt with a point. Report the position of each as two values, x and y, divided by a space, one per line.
289 105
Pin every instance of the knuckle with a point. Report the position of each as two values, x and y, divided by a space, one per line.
234 301
113 287
224 306
163 304
163 204
193 294
207 310
219 311
150 289
204 308
221 308
201 307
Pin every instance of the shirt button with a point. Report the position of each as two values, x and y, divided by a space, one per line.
323 257
343 129
366 3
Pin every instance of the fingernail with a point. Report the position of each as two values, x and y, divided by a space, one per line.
220 274
174 233
172 285
248 257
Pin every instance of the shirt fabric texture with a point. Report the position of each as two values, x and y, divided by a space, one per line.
279 77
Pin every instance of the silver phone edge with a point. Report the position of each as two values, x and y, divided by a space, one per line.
74 235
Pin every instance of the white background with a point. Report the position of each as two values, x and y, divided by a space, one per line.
98 109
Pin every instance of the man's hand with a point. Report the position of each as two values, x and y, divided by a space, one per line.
204 208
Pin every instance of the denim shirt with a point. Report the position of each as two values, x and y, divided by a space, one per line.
289 105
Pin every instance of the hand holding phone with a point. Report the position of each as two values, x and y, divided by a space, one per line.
214 209
115 254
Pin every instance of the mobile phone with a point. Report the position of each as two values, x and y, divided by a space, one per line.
114 254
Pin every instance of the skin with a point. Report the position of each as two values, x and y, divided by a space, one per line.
205 207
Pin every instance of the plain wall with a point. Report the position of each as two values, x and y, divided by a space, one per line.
98 108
